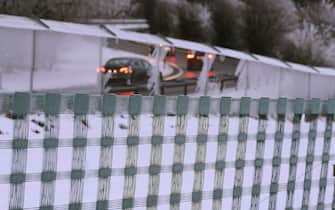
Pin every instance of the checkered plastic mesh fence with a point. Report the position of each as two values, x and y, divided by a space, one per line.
110 152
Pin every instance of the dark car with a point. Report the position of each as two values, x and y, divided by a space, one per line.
194 60
126 71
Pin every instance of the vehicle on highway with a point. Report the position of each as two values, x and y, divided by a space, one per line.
194 60
126 71
134 71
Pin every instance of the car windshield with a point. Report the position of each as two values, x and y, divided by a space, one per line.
199 53
118 62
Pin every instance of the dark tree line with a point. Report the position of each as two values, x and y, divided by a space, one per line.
70 10
280 28
297 30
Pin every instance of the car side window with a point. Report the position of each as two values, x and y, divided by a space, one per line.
146 65
117 62
136 64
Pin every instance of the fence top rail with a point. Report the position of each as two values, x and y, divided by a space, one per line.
27 103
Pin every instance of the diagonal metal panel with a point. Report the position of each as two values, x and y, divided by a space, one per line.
136 36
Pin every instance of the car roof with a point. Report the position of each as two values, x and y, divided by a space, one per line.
126 61
127 58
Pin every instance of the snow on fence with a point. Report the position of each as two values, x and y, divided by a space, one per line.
112 152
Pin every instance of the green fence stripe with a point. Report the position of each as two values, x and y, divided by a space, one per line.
80 129
204 105
298 106
259 159
245 106
134 109
240 155
225 103
21 107
330 106
179 152
81 104
135 104
281 106
182 105
325 159
159 105
198 180
108 104
263 106
203 124
50 144
106 152
156 153
310 154
52 103
21 104
313 107
220 161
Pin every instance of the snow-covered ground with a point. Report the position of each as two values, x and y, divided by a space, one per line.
35 158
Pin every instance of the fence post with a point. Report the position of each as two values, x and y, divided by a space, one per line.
106 151
199 166
33 63
225 104
134 109
185 89
156 151
179 152
277 151
298 107
240 152
51 108
21 108
309 86
202 82
101 76
312 115
330 111
263 108
280 81
81 105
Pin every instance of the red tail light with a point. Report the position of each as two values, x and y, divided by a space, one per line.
128 93
211 73
101 70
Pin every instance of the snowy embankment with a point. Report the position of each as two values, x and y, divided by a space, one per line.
35 159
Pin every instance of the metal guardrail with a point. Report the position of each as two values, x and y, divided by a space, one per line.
166 85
